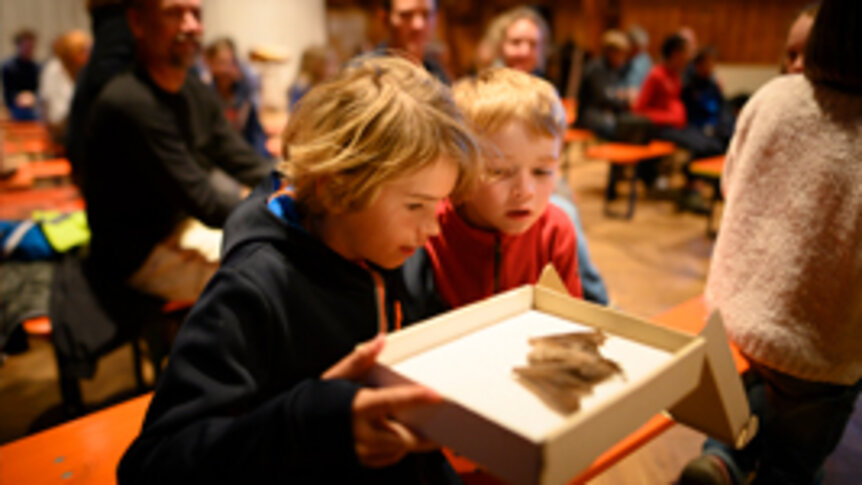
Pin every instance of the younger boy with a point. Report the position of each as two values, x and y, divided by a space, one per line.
254 391
503 232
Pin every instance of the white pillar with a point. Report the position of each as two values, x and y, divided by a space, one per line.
286 25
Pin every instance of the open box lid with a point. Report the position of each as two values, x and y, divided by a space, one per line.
698 384
718 406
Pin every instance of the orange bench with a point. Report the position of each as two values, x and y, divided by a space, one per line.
83 451
19 204
579 135
88 449
710 169
29 172
31 145
627 156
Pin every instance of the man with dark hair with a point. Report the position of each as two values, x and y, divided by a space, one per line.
151 140
21 78
410 24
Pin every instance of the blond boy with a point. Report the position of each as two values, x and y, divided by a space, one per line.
503 232
255 391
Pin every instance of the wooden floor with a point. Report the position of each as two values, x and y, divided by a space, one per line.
650 263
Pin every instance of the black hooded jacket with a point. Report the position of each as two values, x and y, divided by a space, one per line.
241 400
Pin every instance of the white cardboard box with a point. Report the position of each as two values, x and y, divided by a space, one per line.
467 356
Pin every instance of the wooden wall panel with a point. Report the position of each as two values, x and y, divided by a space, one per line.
744 31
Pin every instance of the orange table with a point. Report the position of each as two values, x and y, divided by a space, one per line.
629 154
579 135
88 450
32 145
29 172
708 167
19 204
622 155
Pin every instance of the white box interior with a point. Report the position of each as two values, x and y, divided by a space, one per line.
476 371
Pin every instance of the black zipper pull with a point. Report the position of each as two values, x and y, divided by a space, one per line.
498 259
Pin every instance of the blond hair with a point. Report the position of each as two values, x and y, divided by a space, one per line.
380 118
501 95
499 27
615 39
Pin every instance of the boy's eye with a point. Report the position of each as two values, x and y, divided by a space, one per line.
543 172
501 172
414 206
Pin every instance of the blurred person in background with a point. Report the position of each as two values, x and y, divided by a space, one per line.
640 62
57 81
705 104
21 78
794 50
318 64
660 100
113 52
235 93
603 95
524 40
410 26
152 139
691 43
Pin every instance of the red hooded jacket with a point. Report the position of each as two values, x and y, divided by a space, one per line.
471 264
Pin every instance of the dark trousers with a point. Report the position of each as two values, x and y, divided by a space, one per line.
801 423
699 144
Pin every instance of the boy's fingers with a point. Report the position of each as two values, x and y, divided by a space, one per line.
380 460
389 400
357 363
377 444
411 440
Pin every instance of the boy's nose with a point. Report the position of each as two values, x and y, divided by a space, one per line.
430 228
524 187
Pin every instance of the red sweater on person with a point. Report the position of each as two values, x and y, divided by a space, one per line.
471 264
660 98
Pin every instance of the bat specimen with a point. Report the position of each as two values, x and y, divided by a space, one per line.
563 368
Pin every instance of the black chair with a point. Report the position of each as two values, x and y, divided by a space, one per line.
92 315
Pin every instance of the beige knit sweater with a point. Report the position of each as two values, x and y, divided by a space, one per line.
787 267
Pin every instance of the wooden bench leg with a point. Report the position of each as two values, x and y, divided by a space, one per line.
138 365
711 232
633 193
70 389
611 189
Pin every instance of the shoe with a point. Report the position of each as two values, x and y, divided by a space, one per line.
706 469
693 201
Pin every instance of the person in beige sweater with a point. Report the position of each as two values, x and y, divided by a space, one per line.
787 267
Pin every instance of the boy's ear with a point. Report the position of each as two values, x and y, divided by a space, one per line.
323 195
